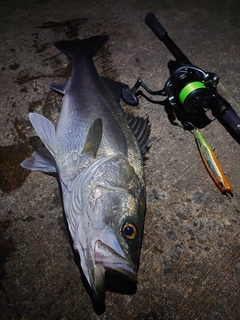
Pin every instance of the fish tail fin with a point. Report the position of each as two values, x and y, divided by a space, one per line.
87 46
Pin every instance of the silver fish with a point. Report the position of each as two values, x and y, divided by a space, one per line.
97 151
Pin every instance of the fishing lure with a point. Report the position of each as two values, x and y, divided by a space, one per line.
212 164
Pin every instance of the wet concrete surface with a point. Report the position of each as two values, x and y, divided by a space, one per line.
190 258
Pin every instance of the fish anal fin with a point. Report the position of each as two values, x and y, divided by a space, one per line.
93 138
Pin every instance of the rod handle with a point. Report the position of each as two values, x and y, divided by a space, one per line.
155 25
231 118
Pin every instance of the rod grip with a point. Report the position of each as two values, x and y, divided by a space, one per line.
155 25
232 119
162 35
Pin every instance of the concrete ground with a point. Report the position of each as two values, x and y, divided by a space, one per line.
190 258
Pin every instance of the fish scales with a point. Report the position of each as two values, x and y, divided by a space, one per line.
96 102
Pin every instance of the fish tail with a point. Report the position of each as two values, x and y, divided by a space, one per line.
87 46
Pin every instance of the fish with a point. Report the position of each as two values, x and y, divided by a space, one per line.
212 164
98 153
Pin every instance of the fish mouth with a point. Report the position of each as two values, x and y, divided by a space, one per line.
111 258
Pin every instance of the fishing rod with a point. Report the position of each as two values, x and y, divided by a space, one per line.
189 89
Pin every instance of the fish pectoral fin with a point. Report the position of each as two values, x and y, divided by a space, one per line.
93 138
59 87
40 160
45 130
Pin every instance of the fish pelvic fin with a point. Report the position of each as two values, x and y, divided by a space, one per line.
59 87
41 160
141 128
93 138
87 46
45 130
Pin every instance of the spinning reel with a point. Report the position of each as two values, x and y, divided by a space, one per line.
189 89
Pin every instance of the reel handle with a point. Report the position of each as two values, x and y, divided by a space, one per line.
162 35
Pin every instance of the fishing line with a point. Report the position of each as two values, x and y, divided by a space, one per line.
230 96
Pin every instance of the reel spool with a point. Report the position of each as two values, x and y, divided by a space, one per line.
187 87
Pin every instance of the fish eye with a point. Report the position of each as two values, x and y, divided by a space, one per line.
129 230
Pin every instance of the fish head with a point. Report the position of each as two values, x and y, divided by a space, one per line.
116 245
109 232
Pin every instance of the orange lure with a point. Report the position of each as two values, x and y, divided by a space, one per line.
212 164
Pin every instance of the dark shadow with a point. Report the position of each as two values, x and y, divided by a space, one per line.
199 120
76 256
116 282
228 128
99 307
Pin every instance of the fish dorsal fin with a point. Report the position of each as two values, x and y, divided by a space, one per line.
45 130
141 129
93 138
115 86
59 87
41 160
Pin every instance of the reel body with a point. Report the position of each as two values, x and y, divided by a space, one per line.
190 88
